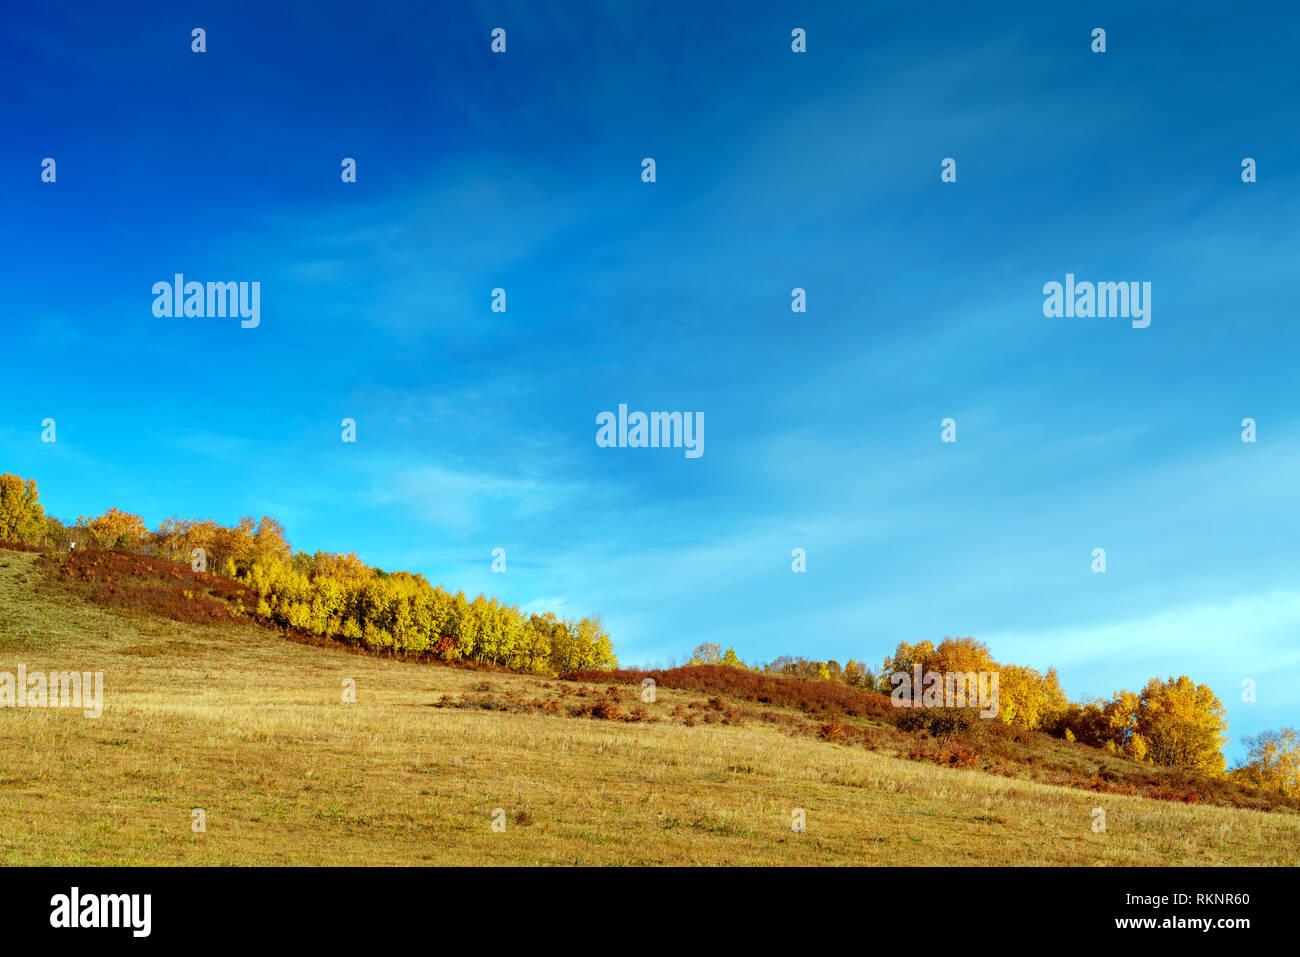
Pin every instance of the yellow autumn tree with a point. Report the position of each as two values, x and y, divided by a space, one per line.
232 547
961 655
1136 747
589 647
22 519
707 653
952 655
340 567
905 657
1183 725
1272 762
269 542
115 529
1028 699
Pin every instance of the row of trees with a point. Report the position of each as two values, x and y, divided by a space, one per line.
1028 699
1174 722
325 593
854 674
338 595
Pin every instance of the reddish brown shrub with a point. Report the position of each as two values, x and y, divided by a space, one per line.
20 547
607 710
831 731
824 699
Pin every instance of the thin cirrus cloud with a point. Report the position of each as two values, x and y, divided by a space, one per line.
461 501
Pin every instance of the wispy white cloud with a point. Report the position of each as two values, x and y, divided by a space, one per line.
461 500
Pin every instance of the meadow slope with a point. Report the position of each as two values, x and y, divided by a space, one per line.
252 728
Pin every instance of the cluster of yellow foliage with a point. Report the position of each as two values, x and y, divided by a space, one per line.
710 653
1175 723
114 529
228 550
22 519
1027 699
403 613
1273 762
853 673
338 596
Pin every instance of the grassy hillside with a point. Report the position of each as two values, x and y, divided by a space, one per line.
238 720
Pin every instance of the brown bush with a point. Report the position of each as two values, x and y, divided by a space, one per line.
607 710
824 699
140 585
941 723
20 547
831 731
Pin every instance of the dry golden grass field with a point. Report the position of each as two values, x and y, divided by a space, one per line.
253 729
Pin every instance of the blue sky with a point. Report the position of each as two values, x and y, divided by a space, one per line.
476 429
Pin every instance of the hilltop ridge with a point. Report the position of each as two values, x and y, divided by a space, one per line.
231 717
